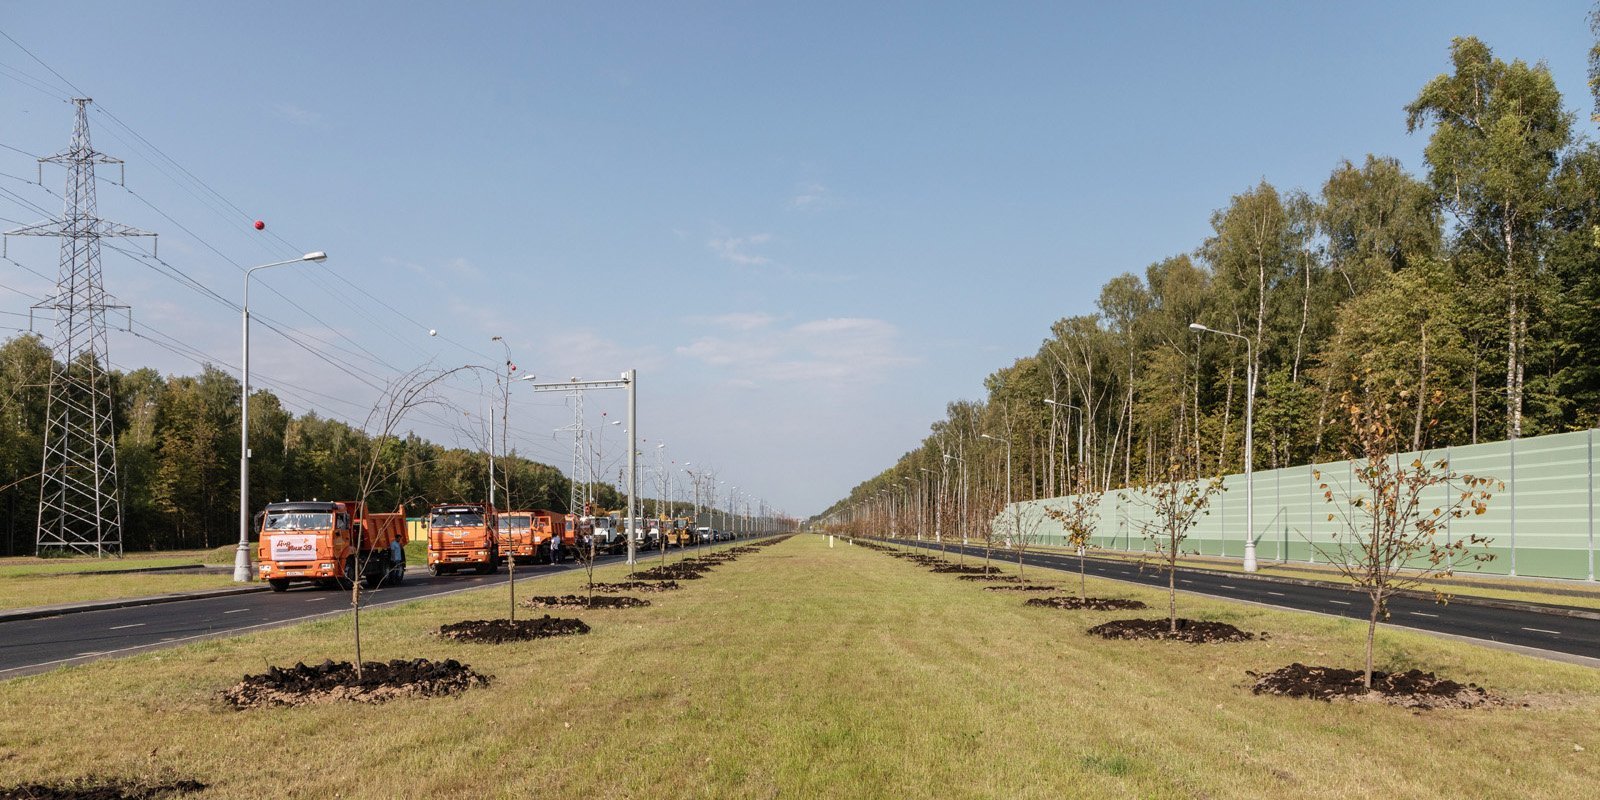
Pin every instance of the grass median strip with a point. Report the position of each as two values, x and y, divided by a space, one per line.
809 671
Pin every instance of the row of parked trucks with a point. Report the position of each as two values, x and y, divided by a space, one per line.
340 542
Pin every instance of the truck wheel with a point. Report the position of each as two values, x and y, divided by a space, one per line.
348 580
372 580
279 584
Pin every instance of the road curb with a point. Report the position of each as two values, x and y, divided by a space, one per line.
40 612
1481 602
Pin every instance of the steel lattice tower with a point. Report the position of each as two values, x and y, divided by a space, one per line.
80 507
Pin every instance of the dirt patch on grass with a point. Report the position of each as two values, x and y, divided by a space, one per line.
101 789
1021 587
1189 630
581 602
1086 604
336 682
671 572
500 631
959 569
1410 689
638 586
1004 578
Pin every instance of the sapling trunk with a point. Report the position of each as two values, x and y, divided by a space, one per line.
1372 632
355 603
1172 595
1083 581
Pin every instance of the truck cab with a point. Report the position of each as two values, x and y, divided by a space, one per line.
330 543
463 535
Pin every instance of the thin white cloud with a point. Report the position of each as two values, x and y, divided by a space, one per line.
737 320
830 353
736 249
809 196
296 115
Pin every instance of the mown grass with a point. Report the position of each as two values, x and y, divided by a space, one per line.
24 591
29 581
805 671
17 566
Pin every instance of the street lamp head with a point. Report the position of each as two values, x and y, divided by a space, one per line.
315 256
987 436
1195 326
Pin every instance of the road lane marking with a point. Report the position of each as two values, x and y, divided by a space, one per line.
1226 586
1276 594
134 625
1181 580
1542 630
316 599
236 611
1340 602
1424 614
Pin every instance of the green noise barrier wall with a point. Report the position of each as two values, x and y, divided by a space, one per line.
1542 524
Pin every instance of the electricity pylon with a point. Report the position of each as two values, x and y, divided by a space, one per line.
80 507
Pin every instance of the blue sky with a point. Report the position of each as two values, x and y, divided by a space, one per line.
808 227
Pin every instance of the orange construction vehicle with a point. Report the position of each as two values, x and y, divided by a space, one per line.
330 543
580 530
463 535
551 534
516 537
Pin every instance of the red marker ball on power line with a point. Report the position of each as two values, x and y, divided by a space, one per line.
260 225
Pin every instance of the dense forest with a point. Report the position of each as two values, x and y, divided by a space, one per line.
1476 285
178 458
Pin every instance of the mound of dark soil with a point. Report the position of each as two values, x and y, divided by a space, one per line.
1411 689
671 572
637 586
500 631
1020 587
1086 604
101 789
959 569
336 682
1189 630
1004 578
579 601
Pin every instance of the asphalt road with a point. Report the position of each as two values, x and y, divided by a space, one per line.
36 645
1530 629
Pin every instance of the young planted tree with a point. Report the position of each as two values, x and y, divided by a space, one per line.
1393 519
407 393
1178 499
1024 531
1080 517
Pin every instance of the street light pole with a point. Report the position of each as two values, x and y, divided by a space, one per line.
241 558
1249 444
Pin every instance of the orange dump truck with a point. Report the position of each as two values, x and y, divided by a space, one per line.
517 538
331 543
463 535
554 535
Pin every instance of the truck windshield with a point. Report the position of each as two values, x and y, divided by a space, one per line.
457 520
513 523
299 521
